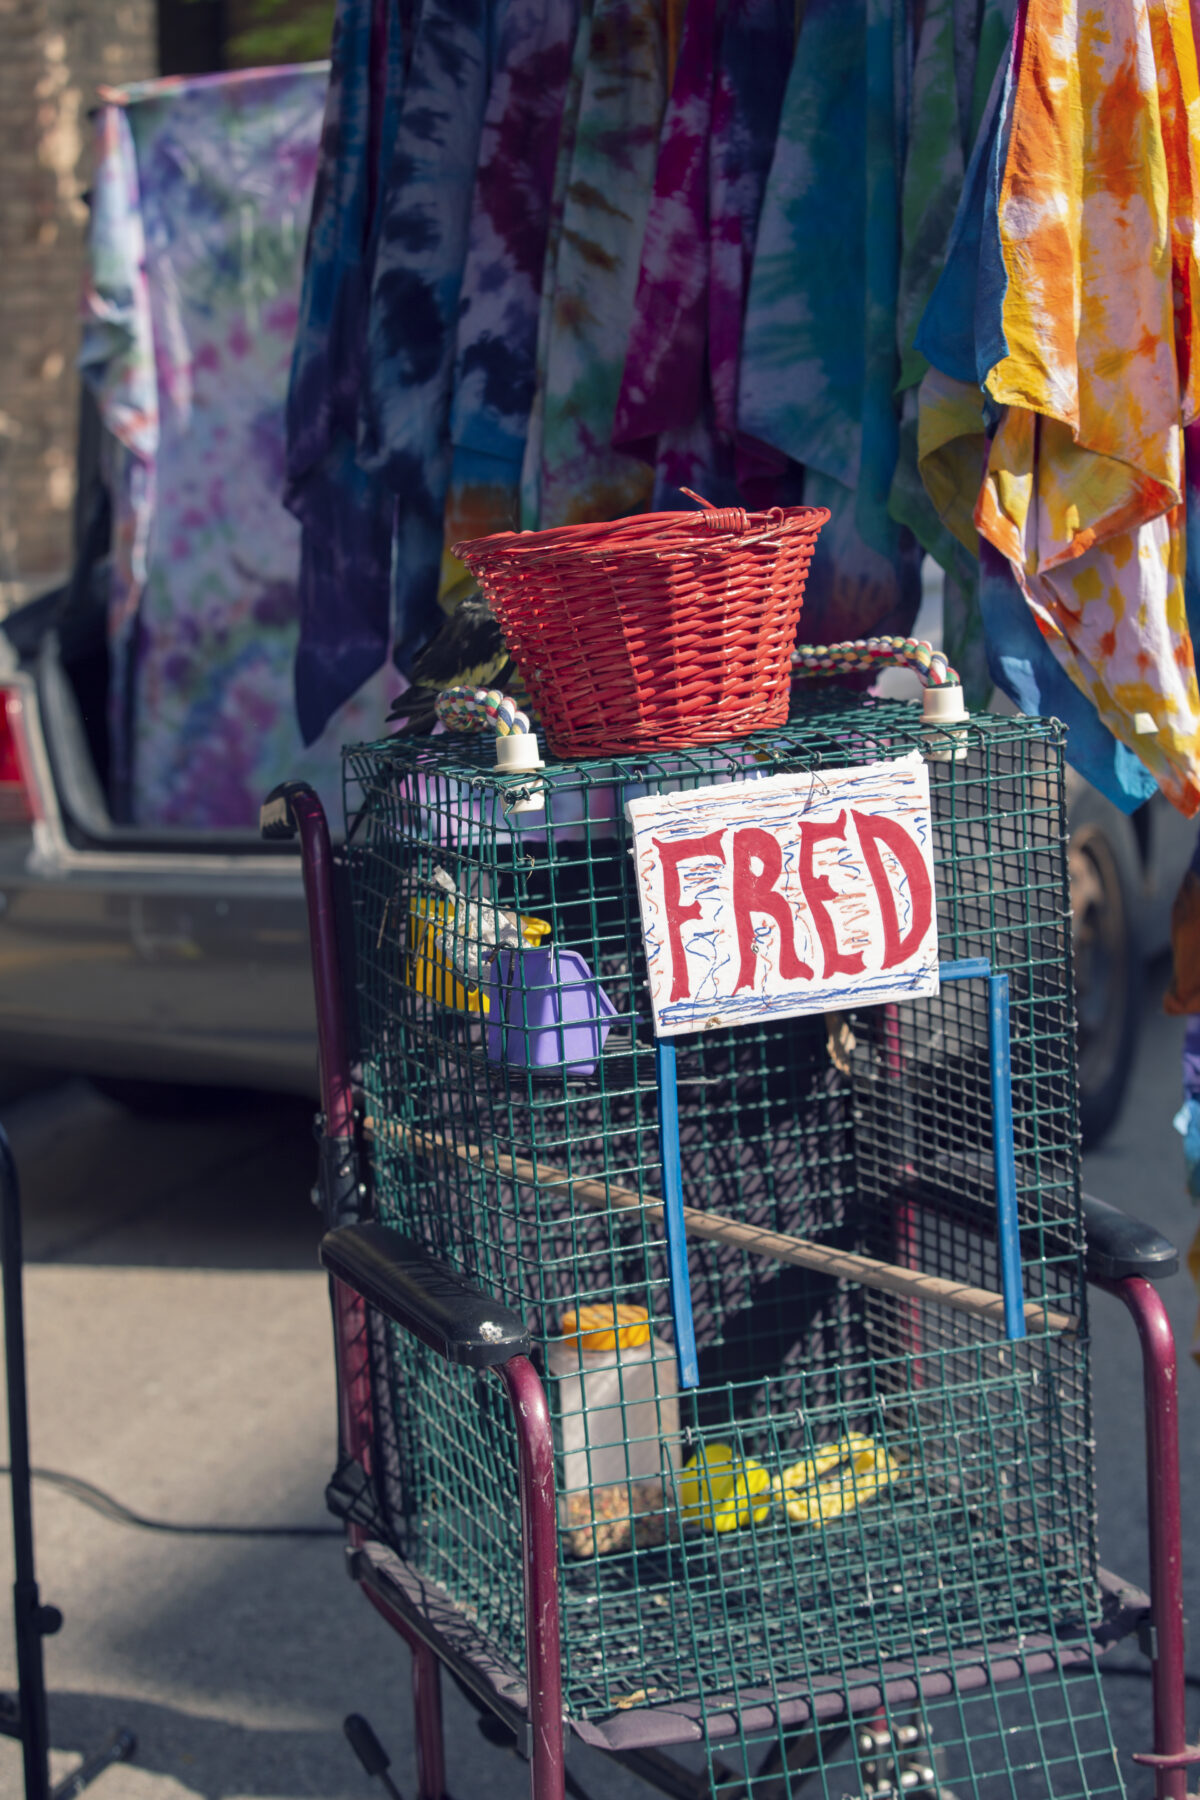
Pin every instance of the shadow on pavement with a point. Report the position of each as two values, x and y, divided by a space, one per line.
226 1188
209 1757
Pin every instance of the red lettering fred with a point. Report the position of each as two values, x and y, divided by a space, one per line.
872 832
754 892
678 914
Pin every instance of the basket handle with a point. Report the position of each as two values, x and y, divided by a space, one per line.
722 518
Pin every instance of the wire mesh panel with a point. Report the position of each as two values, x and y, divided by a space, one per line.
861 1475
1044 1736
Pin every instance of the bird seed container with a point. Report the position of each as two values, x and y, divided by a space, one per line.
616 1418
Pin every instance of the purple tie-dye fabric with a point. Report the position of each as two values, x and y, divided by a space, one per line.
753 63
664 381
203 187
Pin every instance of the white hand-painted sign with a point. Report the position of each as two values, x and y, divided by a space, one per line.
790 894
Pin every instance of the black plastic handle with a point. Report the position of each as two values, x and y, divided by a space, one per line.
1118 1245
399 1277
277 821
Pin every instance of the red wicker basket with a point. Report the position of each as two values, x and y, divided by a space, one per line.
668 629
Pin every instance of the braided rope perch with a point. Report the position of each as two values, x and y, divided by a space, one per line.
467 709
862 654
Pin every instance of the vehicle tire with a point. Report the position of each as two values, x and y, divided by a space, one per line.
1105 875
164 1099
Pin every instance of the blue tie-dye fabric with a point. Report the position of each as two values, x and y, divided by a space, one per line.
819 361
496 342
962 330
1024 669
345 512
425 209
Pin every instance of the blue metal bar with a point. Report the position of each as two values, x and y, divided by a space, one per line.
1004 1158
681 1291
973 968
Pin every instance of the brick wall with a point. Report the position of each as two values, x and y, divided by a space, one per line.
54 55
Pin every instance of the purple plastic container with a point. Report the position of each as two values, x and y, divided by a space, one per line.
547 1010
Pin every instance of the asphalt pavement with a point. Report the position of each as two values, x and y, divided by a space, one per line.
179 1355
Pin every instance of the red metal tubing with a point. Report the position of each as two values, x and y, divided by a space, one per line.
427 1700
337 1100
539 1547
1159 1375
353 1380
539 1522
337 1104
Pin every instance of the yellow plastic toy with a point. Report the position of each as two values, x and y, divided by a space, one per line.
430 970
718 1489
835 1481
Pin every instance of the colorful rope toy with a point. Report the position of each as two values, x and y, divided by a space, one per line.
863 654
481 709
468 709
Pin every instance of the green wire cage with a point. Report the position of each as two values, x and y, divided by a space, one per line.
860 1475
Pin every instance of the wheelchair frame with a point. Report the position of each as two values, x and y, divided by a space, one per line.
375 1266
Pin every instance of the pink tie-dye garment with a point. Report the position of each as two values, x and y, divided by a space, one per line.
661 411
678 404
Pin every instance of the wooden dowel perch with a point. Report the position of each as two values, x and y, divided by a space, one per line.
600 1196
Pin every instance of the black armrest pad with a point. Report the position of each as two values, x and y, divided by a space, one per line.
1118 1245
403 1281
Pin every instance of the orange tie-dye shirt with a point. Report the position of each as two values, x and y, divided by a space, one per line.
1084 485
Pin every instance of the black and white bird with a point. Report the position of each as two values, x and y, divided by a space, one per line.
467 651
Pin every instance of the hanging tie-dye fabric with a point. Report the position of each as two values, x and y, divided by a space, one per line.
571 471
531 461
1089 371
957 55
117 359
201 193
678 407
961 336
425 210
1084 490
819 362
664 410
346 515
754 58
495 364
